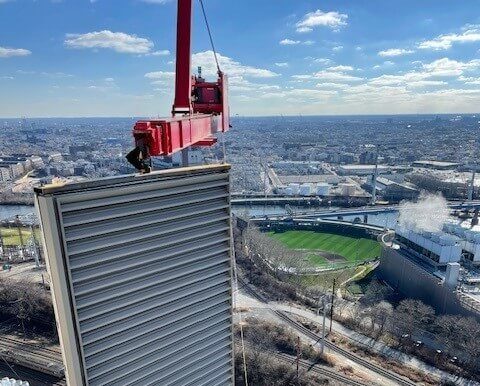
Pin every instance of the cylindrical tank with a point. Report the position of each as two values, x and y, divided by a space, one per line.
295 188
323 189
305 190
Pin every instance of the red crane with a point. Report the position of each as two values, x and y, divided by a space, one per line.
200 108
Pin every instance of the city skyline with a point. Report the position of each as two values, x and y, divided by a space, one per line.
331 58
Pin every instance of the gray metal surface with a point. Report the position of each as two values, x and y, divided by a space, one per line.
141 277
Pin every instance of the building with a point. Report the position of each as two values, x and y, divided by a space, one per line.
435 267
5 174
469 240
394 191
437 165
361 170
436 249
368 157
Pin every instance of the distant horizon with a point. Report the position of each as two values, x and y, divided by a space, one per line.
251 116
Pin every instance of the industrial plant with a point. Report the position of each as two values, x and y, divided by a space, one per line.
442 268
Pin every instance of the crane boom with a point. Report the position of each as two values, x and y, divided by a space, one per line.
200 108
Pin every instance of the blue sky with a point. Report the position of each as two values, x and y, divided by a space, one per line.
116 57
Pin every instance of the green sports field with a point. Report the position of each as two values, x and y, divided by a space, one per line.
11 237
314 243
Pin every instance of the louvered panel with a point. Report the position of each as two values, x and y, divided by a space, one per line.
133 338
141 276
133 359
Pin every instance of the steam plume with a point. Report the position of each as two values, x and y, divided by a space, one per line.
429 213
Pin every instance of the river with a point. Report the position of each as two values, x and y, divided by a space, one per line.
387 220
383 219
10 211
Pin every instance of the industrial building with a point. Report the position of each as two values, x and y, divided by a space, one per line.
393 191
439 268
361 170
437 165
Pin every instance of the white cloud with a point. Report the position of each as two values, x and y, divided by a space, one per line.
160 75
342 86
7 78
289 42
282 64
335 76
56 74
11 52
470 34
159 53
332 75
324 61
156 1
426 83
232 68
333 20
469 80
117 41
337 48
394 52
340 68
448 67
395 80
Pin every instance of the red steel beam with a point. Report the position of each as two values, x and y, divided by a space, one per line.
183 88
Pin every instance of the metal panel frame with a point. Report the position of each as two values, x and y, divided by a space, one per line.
48 201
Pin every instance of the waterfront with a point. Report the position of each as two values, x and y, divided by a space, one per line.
10 211
387 219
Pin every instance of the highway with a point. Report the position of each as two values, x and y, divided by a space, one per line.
360 211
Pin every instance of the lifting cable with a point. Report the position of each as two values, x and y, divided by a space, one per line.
236 292
232 246
210 34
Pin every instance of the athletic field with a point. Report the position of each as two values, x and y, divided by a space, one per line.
10 236
325 247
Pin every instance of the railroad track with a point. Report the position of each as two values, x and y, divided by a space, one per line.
28 355
332 346
311 368
32 376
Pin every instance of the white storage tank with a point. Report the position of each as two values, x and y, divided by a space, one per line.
323 189
13 382
295 188
305 190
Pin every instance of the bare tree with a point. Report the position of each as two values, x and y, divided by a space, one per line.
381 315
412 314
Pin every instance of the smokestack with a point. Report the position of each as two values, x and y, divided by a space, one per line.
374 182
452 274
471 187
474 219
